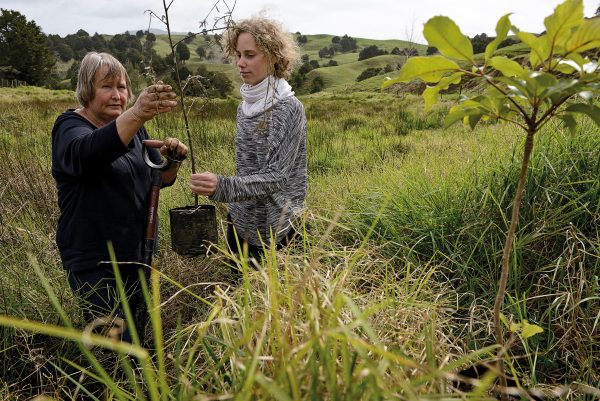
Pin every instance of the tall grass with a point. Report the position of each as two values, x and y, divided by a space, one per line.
388 297
457 219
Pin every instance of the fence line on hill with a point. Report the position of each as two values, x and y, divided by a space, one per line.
11 83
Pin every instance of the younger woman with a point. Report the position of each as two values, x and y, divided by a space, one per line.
267 193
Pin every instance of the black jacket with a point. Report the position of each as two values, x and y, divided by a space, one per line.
103 192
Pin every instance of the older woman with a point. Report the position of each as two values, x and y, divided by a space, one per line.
103 182
267 193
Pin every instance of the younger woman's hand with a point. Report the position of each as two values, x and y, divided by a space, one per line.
204 183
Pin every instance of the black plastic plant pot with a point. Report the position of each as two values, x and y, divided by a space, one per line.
193 229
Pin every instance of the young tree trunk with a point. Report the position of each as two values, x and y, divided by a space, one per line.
181 93
507 251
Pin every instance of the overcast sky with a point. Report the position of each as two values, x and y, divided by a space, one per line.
375 19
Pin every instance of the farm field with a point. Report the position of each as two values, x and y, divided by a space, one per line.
389 296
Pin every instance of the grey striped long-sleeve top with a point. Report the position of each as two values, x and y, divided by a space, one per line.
270 184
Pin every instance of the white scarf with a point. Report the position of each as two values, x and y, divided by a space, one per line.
264 95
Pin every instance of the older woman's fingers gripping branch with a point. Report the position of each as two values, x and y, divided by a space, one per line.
169 145
156 99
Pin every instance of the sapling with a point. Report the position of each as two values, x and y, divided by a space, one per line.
557 80
220 23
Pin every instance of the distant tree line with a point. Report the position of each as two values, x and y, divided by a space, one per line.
374 71
480 42
26 54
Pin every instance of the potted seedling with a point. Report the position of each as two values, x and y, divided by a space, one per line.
193 228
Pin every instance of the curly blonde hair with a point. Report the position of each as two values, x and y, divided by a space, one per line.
279 47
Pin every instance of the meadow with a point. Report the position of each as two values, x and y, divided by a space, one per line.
388 297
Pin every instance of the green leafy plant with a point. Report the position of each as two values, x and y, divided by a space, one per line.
557 80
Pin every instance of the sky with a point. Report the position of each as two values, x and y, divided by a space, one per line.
373 19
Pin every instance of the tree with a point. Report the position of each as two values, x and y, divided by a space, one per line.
139 34
125 47
301 39
23 49
507 42
150 37
209 84
431 50
81 43
201 52
348 43
58 45
557 82
305 68
72 73
189 38
324 52
317 84
183 52
410 52
369 52
480 42
368 73
396 51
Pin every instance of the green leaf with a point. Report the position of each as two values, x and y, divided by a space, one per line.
568 66
569 121
507 67
585 38
503 319
455 115
564 88
516 86
474 119
530 330
540 49
589 109
431 92
539 83
443 33
502 28
429 69
560 24
471 111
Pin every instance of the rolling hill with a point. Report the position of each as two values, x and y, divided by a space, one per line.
336 78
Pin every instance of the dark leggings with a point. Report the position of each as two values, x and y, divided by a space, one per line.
97 293
254 251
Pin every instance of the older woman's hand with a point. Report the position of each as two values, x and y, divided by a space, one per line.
155 99
204 183
170 147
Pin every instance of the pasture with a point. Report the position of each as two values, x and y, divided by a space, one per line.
389 296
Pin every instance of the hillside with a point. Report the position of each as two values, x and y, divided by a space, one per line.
335 78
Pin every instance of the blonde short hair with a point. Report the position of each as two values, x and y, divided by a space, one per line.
279 46
90 65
